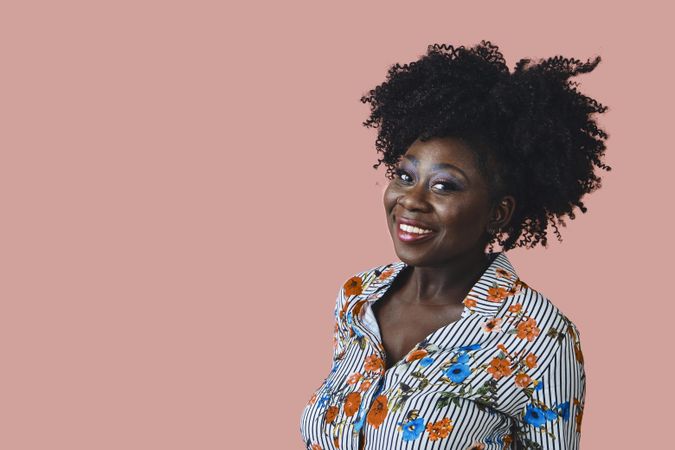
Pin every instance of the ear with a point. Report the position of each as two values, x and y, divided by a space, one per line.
502 211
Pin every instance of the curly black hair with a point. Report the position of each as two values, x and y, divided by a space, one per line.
531 130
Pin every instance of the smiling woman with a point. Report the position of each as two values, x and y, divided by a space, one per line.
448 348
438 187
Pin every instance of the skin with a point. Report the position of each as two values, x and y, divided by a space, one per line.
455 203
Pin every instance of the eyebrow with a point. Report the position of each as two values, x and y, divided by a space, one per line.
436 166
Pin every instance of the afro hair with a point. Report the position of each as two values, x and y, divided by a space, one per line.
531 129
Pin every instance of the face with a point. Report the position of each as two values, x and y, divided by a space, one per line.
439 188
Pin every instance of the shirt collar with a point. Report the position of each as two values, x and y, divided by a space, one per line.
486 296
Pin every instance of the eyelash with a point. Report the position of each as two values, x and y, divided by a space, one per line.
451 186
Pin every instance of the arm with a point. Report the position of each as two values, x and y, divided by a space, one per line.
351 288
339 332
551 420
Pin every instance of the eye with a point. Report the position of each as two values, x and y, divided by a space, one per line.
448 185
401 174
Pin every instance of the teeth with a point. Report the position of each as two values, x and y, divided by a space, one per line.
411 229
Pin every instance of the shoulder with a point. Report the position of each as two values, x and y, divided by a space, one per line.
532 319
531 304
362 283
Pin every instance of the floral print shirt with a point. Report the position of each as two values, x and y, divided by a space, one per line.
508 374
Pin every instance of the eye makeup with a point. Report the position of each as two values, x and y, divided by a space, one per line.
452 184
435 166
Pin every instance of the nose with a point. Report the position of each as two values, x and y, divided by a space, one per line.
414 199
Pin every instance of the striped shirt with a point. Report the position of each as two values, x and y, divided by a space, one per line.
508 374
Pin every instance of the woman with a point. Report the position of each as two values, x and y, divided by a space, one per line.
448 348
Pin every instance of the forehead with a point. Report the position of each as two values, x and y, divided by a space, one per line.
450 150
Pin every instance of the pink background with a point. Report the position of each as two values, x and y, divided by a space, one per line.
185 186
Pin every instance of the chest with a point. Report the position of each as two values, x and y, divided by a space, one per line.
402 326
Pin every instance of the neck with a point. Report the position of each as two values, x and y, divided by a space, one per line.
446 284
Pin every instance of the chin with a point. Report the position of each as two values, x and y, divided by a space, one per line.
411 257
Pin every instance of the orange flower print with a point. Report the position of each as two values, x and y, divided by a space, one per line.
516 308
570 331
578 353
492 325
316 447
501 347
353 286
518 286
476 446
352 403
579 415
378 411
507 441
357 307
354 378
374 363
528 329
501 273
343 311
331 413
531 360
439 430
416 354
336 442
523 380
313 399
469 302
365 384
384 275
499 368
496 294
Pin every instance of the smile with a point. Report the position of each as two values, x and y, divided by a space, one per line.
408 233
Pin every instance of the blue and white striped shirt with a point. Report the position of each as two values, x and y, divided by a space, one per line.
508 374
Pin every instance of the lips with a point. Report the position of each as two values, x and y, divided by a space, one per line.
408 236
414 223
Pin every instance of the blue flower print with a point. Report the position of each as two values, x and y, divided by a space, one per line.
534 416
324 400
349 319
550 414
469 348
426 361
358 424
539 386
413 429
458 372
564 410
463 358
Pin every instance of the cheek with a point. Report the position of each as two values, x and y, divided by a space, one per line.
389 197
462 216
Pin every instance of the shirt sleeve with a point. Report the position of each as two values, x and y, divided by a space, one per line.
350 290
339 330
552 417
